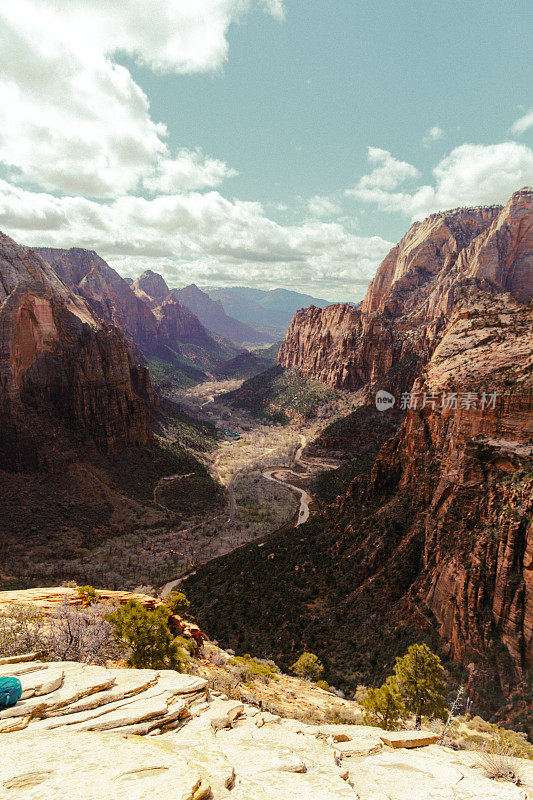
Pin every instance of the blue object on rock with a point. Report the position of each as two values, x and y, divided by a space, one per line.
10 691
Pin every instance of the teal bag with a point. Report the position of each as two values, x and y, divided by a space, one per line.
10 691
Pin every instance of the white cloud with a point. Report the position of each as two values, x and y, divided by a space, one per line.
188 171
198 236
470 175
523 123
434 134
389 173
74 120
322 206
275 8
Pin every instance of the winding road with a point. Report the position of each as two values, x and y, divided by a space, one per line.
305 499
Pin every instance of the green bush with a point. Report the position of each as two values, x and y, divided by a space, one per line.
177 602
88 594
308 667
384 707
323 685
147 636
251 668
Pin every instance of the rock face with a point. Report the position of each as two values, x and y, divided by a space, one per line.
211 314
435 542
395 330
61 367
77 743
151 288
107 293
146 311
451 295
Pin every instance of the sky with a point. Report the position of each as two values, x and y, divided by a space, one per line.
257 142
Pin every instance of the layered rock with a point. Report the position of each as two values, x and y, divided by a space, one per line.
395 330
435 543
105 290
60 367
151 288
71 736
156 323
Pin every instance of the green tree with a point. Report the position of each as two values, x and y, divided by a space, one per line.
146 634
177 602
384 707
419 677
88 594
308 667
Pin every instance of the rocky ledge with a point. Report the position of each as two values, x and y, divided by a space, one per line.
75 733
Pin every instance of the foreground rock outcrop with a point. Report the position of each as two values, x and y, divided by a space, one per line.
71 735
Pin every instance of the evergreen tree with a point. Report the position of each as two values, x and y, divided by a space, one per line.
384 707
308 667
177 602
146 634
419 676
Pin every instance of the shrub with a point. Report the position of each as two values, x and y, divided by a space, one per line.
323 685
308 667
147 636
88 594
251 668
419 678
384 707
499 756
479 724
343 716
75 634
177 602
21 630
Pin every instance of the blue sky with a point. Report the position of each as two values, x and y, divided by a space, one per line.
227 141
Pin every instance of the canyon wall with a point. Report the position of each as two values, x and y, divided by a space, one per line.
392 334
64 373
147 312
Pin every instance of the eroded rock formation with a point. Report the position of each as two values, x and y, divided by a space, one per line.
436 541
61 367
396 328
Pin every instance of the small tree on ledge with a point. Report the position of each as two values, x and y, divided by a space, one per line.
383 707
308 667
177 602
146 634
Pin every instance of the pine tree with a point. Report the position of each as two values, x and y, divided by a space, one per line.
146 634
177 602
419 678
384 707
308 667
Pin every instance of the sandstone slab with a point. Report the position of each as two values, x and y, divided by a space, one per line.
408 738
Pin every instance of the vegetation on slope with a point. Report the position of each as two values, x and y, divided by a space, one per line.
281 394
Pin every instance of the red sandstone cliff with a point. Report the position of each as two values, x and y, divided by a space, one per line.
106 292
155 324
441 532
64 374
396 328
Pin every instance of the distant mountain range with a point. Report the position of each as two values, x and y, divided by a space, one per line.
267 311
211 313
